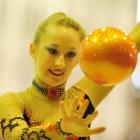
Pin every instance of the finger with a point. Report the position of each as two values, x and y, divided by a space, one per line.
74 91
91 117
96 131
69 107
64 112
70 95
75 104
82 109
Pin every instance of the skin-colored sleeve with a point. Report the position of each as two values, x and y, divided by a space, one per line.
14 127
135 34
95 92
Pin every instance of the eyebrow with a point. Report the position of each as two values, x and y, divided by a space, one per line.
55 45
73 48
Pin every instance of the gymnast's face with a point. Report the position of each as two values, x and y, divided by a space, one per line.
56 55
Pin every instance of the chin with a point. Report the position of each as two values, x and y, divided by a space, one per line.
55 83
58 83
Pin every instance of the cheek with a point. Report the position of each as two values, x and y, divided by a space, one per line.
44 63
71 64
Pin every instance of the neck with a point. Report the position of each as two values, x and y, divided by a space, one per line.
53 93
45 85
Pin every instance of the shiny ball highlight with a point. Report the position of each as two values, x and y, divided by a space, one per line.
108 56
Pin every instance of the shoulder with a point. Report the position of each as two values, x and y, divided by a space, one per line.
10 97
11 101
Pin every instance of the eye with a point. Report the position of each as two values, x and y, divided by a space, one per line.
52 50
71 54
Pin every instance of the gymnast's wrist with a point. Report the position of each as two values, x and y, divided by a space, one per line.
60 128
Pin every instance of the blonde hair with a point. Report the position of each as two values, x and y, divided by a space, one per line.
58 19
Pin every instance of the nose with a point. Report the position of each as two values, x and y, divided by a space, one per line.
60 61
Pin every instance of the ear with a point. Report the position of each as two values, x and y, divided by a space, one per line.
32 51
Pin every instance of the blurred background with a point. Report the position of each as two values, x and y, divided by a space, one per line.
120 111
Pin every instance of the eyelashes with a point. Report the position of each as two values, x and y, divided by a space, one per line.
71 54
53 51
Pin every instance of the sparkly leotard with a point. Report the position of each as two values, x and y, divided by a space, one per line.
25 116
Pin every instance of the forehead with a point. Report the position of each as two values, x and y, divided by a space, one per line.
61 35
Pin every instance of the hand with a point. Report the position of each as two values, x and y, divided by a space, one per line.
73 121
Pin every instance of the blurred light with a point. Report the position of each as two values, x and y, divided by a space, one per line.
136 75
138 11
135 79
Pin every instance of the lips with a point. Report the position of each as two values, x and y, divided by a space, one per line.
56 72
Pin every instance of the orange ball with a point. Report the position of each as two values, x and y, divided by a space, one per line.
108 56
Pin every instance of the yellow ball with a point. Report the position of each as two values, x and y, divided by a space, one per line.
108 56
